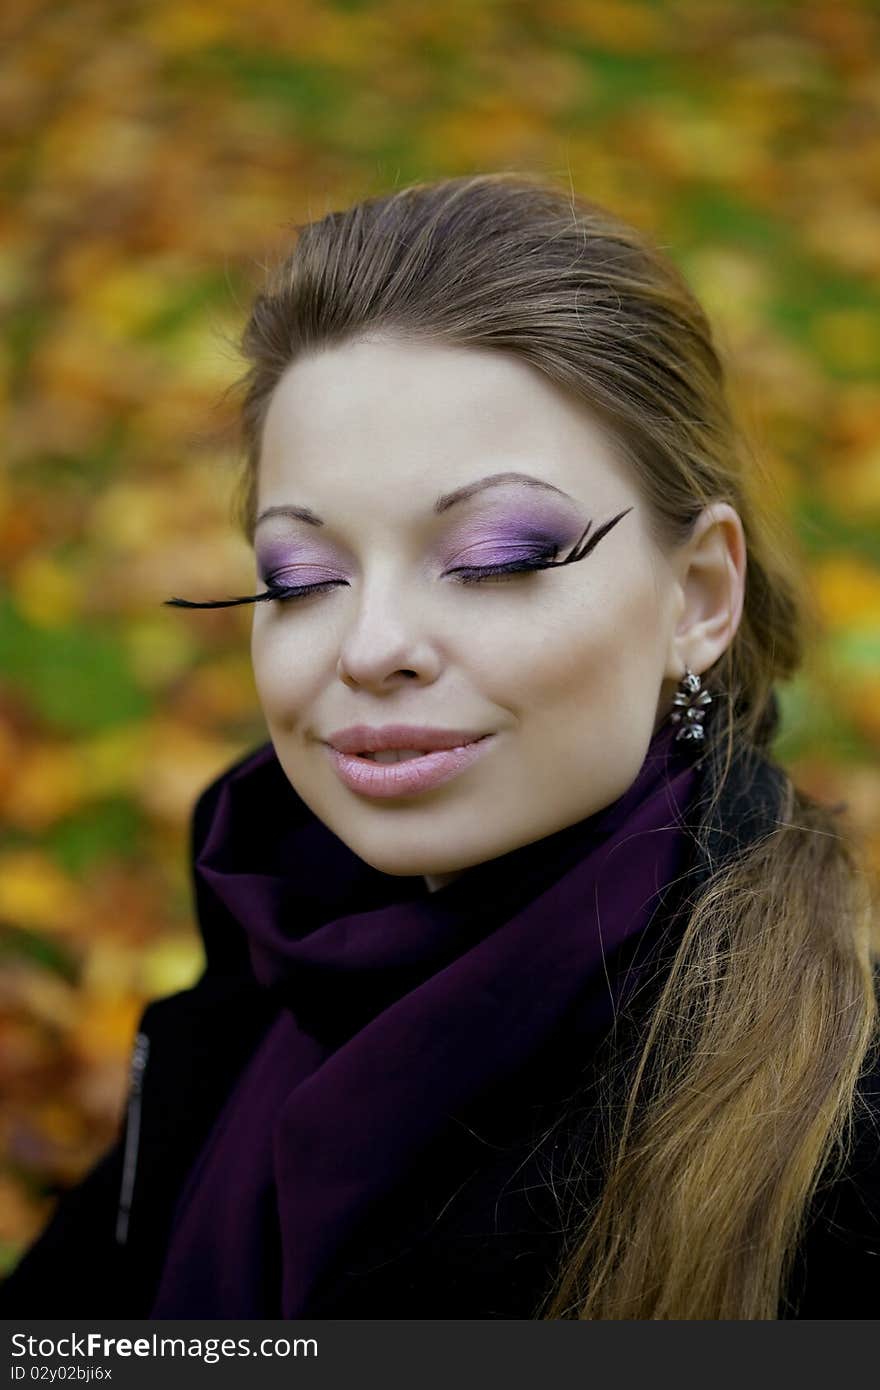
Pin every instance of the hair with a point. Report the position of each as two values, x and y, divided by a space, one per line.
745 1080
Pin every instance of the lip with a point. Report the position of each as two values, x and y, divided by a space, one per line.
361 738
384 780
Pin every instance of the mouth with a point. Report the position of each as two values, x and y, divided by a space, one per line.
395 755
393 772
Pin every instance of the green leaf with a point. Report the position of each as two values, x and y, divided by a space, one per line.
16 943
75 677
110 829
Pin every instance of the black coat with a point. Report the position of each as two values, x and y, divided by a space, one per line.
474 1231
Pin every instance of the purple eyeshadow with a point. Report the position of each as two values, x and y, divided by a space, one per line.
514 536
276 557
508 534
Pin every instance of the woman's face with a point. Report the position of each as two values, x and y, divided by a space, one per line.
570 669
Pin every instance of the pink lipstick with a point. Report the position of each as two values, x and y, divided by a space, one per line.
412 775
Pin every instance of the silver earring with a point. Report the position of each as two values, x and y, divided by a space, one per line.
690 700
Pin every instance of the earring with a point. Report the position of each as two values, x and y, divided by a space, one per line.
690 699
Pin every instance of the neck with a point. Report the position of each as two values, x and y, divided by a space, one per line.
435 881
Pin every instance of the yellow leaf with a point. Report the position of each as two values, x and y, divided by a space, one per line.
180 28
130 297
862 700
45 997
853 484
848 590
49 783
181 763
170 964
20 1218
113 761
47 592
850 336
34 892
107 1028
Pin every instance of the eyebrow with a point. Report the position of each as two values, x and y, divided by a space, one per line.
441 504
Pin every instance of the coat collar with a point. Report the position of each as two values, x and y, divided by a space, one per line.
753 802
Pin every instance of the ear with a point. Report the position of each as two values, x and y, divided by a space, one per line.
711 573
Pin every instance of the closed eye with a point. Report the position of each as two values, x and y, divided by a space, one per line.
478 574
281 592
464 574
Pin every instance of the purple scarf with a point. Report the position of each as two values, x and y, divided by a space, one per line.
397 1007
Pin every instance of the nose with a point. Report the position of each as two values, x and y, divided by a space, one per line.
386 642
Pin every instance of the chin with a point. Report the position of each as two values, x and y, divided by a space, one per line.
404 868
399 863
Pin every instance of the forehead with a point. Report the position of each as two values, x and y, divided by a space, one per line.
422 418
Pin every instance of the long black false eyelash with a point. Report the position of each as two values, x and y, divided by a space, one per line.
581 549
272 591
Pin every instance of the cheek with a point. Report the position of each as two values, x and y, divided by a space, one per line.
584 693
287 673
536 659
575 655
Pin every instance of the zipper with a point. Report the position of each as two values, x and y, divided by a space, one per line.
139 1056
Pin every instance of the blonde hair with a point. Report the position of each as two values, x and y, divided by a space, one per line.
744 1084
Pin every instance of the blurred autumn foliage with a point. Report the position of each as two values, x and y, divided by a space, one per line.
157 153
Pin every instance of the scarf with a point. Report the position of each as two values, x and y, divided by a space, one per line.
397 1007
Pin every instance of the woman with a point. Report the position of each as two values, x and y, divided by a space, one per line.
533 986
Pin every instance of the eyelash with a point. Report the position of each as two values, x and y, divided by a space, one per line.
471 575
